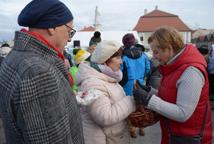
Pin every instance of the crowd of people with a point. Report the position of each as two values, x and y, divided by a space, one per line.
49 96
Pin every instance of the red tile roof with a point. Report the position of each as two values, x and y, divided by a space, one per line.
89 28
157 18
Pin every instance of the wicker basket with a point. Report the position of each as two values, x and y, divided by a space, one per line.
143 117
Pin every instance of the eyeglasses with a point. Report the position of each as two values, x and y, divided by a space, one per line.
72 32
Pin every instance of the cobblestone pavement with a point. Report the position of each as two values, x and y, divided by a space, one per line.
152 136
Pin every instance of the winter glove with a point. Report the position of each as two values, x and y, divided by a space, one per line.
142 93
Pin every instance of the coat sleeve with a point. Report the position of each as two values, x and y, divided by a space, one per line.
125 74
41 111
147 65
106 113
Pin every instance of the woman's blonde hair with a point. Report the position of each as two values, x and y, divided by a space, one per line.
167 37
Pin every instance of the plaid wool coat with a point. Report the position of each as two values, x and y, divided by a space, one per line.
36 101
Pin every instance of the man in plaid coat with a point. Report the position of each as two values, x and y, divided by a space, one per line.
36 100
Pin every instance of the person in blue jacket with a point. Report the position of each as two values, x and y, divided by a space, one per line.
136 64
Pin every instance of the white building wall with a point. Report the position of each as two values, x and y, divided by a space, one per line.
186 37
145 35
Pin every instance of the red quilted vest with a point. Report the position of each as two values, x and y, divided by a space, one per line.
167 91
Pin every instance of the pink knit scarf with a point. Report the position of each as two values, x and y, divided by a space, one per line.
118 75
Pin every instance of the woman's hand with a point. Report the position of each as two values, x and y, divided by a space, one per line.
142 93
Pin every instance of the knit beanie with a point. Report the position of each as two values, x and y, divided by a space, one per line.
104 50
44 14
81 56
128 40
97 34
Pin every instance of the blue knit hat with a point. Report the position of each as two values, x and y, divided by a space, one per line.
44 14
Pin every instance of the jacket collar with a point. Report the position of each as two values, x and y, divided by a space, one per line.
27 40
188 55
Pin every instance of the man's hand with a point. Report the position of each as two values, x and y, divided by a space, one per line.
142 93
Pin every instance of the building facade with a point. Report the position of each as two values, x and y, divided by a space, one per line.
149 22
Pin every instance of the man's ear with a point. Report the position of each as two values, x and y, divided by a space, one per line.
51 31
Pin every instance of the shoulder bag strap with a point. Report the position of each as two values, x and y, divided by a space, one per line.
204 122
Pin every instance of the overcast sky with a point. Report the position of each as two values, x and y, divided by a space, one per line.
115 14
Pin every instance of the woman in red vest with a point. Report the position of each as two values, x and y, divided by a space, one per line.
182 99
